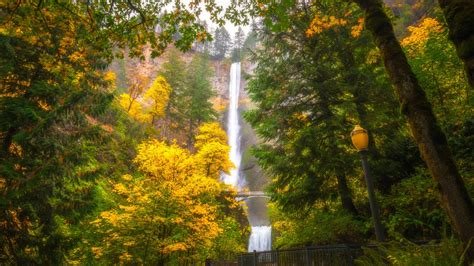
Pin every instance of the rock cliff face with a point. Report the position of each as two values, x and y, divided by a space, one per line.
220 83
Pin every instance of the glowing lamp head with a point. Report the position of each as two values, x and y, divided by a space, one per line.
360 138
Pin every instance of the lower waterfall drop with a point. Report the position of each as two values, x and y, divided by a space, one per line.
260 238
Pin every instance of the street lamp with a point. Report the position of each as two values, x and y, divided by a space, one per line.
360 140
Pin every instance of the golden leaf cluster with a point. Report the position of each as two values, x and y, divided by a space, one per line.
357 29
420 34
324 22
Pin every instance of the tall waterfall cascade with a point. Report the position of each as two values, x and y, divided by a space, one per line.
233 128
260 236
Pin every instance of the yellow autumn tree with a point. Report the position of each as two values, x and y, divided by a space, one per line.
157 97
212 150
175 208
158 94
133 107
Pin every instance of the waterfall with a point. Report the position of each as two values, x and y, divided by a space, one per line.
233 127
261 236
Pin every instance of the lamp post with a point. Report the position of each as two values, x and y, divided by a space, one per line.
360 139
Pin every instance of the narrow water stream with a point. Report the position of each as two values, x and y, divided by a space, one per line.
260 237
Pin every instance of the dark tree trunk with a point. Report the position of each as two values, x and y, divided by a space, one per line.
345 193
190 134
459 15
431 140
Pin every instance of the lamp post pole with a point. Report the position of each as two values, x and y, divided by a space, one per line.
360 139
374 207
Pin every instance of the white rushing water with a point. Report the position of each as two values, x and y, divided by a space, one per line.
233 127
261 236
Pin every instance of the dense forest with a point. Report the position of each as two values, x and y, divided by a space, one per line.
113 141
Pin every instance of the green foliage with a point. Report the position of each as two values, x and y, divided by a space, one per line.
189 102
307 105
447 253
231 242
222 43
439 70
52 94
197 95
317 226
310 86
174 71
412 209
237 51
250 43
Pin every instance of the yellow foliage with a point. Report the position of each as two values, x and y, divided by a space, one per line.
159 94
125 257
163 162
212 150
373 56
127 177
324 22
175 201
210 132
43 105
16 149
201 36
357 29
120 189
219 104
156 99
419 35
111 77
133 107
213 158
174 247
97 251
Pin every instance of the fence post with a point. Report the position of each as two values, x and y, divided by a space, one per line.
254 257
308 257
351 256
277 257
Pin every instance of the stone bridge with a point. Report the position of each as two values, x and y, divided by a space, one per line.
252 194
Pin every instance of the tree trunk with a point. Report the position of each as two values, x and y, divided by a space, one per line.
431 140
345 194
190 134
459 15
